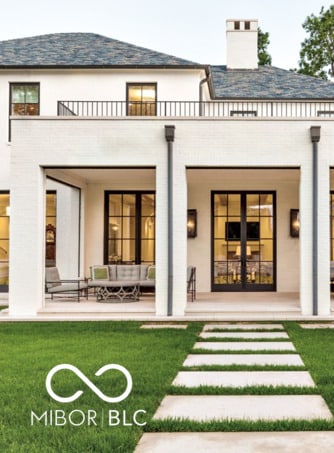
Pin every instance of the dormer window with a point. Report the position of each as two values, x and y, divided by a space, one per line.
141 99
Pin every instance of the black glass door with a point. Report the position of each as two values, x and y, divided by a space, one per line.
243 241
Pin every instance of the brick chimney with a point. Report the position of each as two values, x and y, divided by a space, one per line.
241 40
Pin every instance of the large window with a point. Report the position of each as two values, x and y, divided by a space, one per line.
332 226
50 228
141 99
4 240
129 227
4 235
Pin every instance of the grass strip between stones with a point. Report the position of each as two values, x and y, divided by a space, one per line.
251 390
183 425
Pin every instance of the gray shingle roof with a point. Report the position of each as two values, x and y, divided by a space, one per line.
268 82
92 50
81 50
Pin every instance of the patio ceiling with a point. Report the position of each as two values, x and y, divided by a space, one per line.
118 176
216 175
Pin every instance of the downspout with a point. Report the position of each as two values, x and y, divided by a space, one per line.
169 136
201 83
315 139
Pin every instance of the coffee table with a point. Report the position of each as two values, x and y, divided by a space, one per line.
108 291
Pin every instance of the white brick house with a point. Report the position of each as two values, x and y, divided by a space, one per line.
87 121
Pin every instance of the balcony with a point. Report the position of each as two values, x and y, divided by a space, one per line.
194 109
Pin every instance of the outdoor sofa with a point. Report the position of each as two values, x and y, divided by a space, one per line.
121 281
130 280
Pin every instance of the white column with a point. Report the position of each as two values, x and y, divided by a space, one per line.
180 239
305 237
161 241
27 237
68 233
324 302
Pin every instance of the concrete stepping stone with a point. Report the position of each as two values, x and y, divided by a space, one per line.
243 379
246 335
243 346
164 326
229 326
243 359
317 326
243 407
237 442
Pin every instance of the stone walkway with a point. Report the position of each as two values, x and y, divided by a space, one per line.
203 408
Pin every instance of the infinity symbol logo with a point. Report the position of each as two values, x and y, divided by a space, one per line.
75 370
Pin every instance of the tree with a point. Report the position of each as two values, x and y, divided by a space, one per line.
317 50
262 45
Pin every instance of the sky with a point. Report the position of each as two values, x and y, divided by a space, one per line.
190 29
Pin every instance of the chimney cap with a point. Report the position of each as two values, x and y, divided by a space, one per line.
241 25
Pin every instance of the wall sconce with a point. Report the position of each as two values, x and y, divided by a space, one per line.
192 223
294 223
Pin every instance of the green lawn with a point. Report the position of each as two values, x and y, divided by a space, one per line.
153 358
30 350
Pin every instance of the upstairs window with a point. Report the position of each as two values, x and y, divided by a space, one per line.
24 99
141 99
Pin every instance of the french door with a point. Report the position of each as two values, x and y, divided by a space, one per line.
243 241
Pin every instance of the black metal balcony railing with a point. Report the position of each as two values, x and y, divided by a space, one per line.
213 109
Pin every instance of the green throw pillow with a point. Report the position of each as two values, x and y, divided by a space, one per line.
101 273
151 273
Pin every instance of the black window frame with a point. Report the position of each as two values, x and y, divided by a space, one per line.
3 287
142 103
138 226
244 239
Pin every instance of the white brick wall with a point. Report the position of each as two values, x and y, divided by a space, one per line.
137 142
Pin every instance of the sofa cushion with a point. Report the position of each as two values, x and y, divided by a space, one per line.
100 273
332 270
128 272
68 287
52 277
147 283
143 271
112 272
151 273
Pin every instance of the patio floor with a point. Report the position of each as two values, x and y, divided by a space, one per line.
207 306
